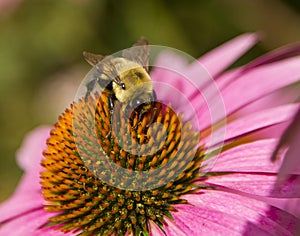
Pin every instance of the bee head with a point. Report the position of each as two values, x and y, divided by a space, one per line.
133 88
136 96
133 81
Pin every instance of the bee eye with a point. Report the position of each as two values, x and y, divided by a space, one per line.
123 86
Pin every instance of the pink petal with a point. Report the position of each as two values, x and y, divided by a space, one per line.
263 184
26 198
276 55
274 131
167 68
251 86
254 216
27 195
171 228
279 54
175 82
260 81
155 230
291 162
173 94
29 225
256 121
220 58
30 154
194 220
278 98
249 157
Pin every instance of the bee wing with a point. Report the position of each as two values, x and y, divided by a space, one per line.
111 71
139 52
92 59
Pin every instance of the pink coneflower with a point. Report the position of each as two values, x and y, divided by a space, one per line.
228 187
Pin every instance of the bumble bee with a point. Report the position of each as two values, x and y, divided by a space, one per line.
126 79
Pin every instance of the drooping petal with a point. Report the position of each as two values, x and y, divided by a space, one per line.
291 137
254 216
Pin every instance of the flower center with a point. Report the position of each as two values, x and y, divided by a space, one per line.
110 173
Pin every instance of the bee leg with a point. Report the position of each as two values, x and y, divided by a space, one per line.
153 117
111 104
141 113
154 97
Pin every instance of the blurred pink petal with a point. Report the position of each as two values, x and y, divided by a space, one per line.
8 5
26 198
31 152
27 195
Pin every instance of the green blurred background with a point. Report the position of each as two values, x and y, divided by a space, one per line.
41 44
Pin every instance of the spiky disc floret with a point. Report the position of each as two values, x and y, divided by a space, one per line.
89 196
